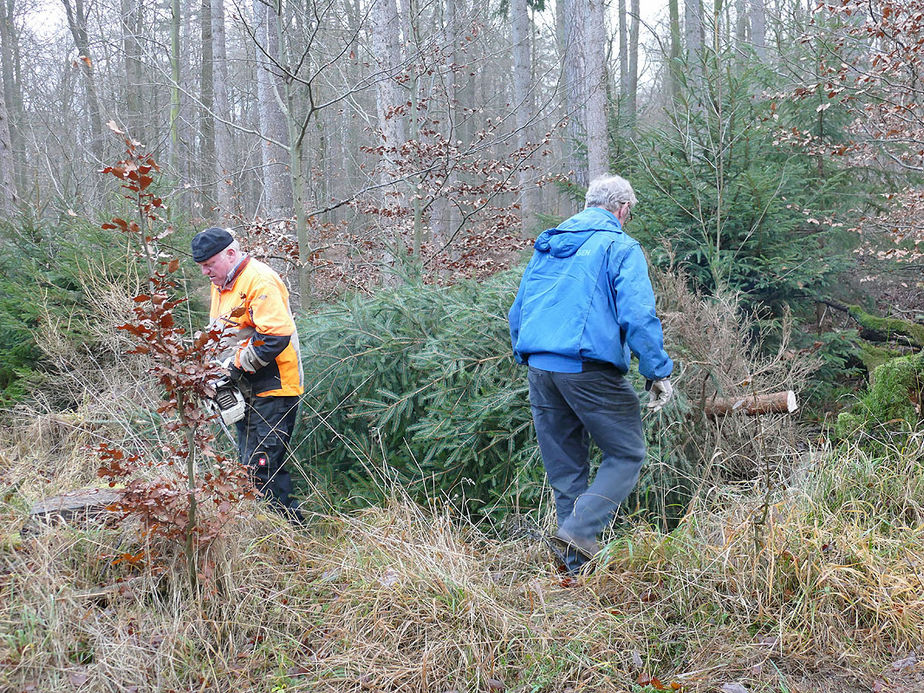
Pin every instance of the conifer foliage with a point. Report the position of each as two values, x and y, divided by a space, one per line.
739 210
417 386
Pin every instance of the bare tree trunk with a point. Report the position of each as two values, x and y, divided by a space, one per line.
12 102
570 20
595 52
623 53
277 183
7 188
632 101
759 29
77 22
674 66
347 129
693 33
523 105
131 50
222 113
207 100
299 193
741 23
386 28
175 68
439 215
414 33
385 50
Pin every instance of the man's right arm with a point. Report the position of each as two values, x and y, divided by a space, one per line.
635 312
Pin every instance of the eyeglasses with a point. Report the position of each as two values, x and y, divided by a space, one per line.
628 213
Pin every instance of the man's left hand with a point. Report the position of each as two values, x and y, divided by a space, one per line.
661 392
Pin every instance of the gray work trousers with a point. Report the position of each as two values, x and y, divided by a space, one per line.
567 407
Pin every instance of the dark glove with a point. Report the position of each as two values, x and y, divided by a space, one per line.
235 374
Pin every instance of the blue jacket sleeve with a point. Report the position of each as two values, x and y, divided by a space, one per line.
635 312
513 317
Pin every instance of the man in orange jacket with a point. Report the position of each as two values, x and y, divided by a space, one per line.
250 304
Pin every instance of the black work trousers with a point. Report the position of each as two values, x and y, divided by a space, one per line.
263 445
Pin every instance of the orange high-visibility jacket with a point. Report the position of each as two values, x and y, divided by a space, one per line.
254 306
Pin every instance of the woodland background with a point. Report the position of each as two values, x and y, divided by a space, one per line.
394 159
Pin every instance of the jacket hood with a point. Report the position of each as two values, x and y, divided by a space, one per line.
571 234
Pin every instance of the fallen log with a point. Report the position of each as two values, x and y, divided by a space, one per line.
132 586
753 405
82 505
877 329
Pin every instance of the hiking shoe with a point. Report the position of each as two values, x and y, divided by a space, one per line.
559 551
585 547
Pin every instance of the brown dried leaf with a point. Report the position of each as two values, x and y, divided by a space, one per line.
78 677
733 688
905 662
637 660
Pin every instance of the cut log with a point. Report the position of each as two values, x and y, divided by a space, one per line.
81 505
752 405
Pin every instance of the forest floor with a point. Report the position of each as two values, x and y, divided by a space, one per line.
815 585
800 594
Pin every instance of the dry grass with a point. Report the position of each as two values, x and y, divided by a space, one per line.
403 598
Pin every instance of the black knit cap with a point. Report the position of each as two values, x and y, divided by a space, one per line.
207 243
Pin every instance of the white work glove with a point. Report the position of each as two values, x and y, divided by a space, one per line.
660 394
250 362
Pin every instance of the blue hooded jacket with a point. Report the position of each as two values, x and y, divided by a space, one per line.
586 296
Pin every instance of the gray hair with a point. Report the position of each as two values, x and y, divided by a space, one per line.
609 192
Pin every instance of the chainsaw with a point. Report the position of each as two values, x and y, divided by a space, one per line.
228 403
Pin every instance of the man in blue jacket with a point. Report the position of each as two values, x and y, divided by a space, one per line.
584 306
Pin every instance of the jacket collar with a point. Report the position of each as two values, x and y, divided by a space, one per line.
234 272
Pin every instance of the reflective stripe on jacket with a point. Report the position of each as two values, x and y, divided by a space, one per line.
254 305
586 296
